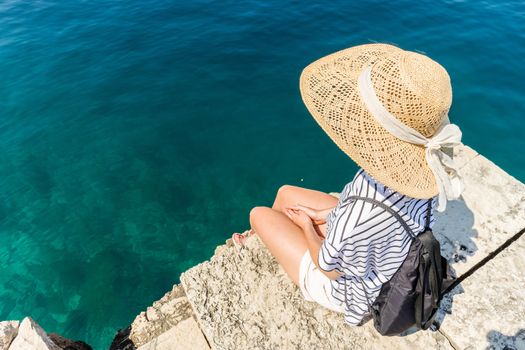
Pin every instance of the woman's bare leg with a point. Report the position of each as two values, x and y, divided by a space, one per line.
283 238
288 195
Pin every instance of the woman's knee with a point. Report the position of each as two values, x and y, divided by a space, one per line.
285 190
284 193
257 212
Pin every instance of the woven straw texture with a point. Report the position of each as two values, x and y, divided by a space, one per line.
411 86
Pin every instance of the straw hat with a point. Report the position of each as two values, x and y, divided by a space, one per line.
412 87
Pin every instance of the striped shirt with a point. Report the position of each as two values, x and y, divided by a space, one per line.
366 243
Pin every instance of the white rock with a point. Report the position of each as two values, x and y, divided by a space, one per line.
185 335
490 211
8 331
32 337
246 301
151 314
165 313
488 309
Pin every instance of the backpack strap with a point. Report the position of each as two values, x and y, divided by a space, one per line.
429 212
424 266
389 209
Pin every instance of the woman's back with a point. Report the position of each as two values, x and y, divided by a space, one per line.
366 243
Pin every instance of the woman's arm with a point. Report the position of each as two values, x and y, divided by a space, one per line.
313 241
314 245
318 216
324 213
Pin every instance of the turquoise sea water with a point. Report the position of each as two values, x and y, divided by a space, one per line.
135 136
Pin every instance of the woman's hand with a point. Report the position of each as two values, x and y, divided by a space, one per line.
299 217
314 214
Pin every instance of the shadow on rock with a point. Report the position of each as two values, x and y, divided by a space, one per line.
454 228
500 341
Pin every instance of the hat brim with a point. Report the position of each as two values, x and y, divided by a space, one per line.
328 88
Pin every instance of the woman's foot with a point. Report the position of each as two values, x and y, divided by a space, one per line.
239 238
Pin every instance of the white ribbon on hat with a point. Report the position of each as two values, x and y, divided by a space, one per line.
448 135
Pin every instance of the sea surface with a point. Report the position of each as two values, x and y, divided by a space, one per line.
135 136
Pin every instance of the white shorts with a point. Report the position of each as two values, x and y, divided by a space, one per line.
315 285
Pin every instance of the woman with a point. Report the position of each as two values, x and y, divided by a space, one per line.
387 109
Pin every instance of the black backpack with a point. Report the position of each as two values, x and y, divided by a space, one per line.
412 296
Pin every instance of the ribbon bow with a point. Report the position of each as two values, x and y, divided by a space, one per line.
448 135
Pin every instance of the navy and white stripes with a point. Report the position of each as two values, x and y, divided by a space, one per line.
365 242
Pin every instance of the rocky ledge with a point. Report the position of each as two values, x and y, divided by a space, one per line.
244 300
28 335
